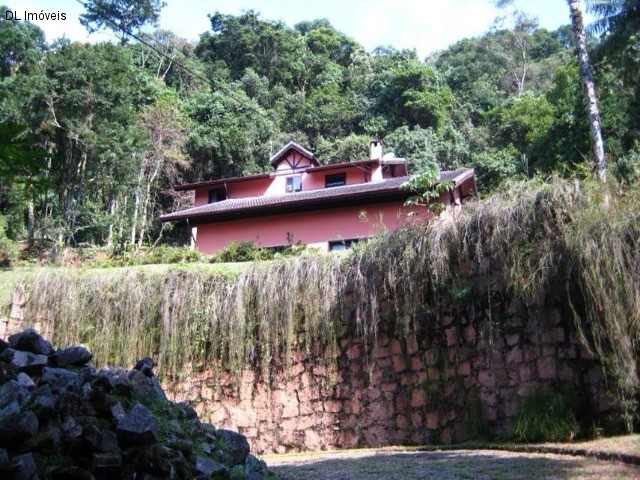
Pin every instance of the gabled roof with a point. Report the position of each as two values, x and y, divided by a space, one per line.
221 181
292 146
359 193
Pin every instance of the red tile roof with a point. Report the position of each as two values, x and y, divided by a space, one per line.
370 192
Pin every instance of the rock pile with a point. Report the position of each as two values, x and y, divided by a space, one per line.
60 418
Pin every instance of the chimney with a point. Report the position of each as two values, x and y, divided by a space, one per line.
376 150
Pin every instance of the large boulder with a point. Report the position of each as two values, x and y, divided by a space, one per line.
235 447
31 341
137 428
72 356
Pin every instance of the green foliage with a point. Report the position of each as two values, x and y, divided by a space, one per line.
8 248
544 417
351 147
162 254
21 44
242 252
427 189
491 167
121 16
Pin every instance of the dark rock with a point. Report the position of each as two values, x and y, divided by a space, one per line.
11 392
100 399
106 463
7 371
181 444
104 378
141 385
3 345
157 388
69 403
60 379
211 468
103 441
137 427
71 429
72 356
74 423
150 459
43 403
28 362
180 464
71 472
27 469
16 425
121 383
187 411
54 436
145 365
253 464
25 380
117 412
236 447
30 341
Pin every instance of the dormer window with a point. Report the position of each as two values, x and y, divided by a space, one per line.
294 183
335 180
217 195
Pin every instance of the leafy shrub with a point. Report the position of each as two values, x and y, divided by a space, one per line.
8 248
242 252
162 254
545 417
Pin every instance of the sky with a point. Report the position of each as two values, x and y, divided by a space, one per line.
424 25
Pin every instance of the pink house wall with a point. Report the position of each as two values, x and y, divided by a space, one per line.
315 180
247 188
308 227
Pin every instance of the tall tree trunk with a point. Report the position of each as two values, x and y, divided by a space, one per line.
31 221
597 144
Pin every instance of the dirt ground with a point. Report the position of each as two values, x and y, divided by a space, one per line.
480 464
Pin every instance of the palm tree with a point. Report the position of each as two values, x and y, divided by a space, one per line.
597 144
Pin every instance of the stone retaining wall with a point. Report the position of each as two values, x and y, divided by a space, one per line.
463 375
461 378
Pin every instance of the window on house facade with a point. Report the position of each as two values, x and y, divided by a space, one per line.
217 195
294 184
335 180
341 245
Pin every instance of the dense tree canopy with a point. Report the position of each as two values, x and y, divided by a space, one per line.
115 127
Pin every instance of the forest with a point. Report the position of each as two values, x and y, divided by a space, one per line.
95 136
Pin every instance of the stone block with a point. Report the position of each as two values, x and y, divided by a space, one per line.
402 423
464 368
412 344
432 421
354 351
417 419
451 336
417 398
514 356
546 368
487 378
416 363
399 363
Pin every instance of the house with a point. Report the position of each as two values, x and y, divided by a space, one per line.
323 206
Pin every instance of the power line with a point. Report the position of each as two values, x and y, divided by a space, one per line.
219 86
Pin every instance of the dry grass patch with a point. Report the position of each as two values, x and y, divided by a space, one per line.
447 465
